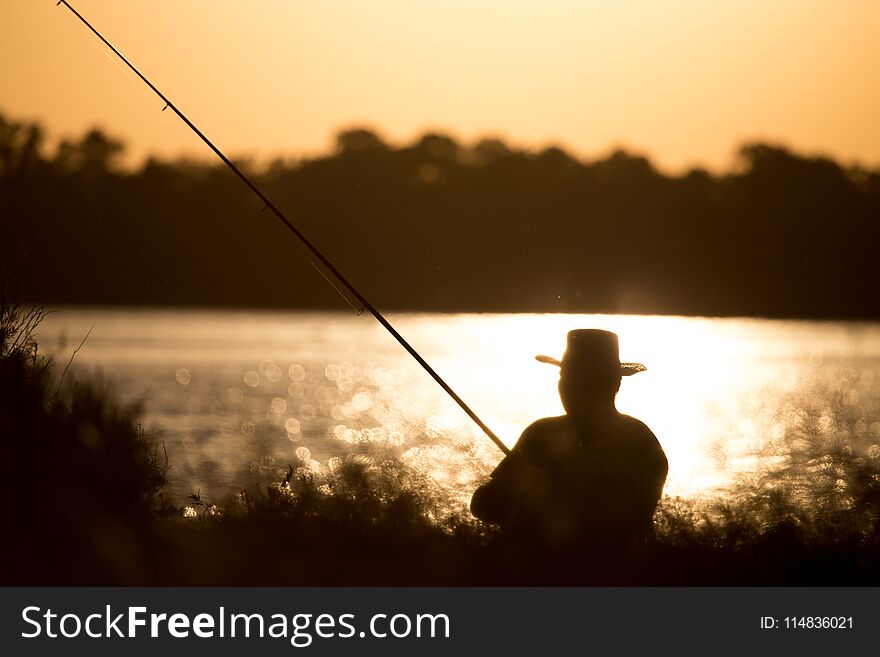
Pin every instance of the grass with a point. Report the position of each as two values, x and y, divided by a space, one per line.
83 483
812 517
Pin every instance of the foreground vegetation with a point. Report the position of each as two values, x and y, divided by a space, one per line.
81 479
85 506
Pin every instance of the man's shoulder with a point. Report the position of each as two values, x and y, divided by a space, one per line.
639 436
636 427
547 424
536 433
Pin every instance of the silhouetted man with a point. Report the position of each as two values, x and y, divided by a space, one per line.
587 481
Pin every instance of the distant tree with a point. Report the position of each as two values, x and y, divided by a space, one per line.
94 154
21 146
438 146
555 157
623 167
698 175
358 140
489 150
777 176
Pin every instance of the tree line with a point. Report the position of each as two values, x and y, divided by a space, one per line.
438 225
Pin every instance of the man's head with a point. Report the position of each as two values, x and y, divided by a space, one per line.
582 394
590 370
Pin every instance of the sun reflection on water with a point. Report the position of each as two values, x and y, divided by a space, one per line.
721 395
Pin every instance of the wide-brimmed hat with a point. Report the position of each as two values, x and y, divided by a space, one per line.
593 350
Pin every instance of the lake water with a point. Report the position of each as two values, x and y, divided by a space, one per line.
235 396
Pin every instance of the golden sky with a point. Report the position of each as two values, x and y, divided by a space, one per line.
683 81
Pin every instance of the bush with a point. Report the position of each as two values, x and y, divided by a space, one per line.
83 480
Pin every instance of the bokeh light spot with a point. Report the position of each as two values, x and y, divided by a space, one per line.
273 373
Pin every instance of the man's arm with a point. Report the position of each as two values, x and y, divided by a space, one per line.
496 500
649 473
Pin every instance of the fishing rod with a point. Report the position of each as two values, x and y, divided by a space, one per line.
268 204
